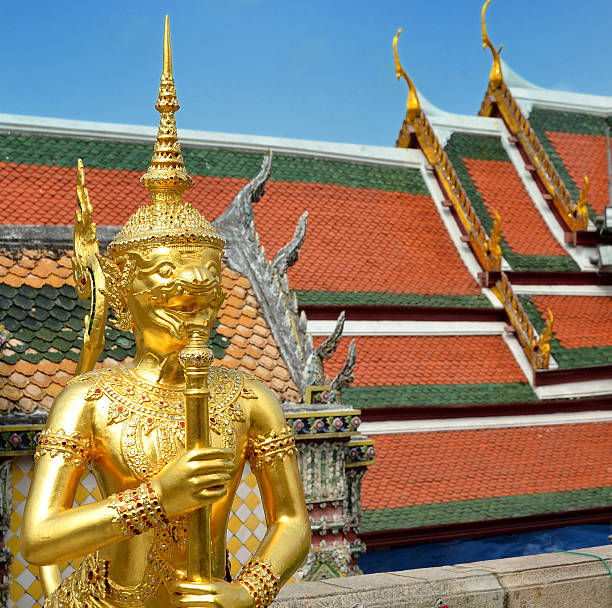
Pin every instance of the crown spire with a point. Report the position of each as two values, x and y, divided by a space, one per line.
166 178
167 221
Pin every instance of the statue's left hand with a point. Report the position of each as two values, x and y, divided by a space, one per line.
216 594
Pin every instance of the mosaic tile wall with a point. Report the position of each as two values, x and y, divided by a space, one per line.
245 531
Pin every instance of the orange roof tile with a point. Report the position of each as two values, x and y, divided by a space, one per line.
35 268
348 245
580 321
357 216
582 155
47 193
502 190
425 468
405 360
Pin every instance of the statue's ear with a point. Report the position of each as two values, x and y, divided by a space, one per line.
118 278
220 297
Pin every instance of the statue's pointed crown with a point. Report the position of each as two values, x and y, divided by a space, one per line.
167 221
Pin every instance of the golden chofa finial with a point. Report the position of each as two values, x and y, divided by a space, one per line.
167 178
496 77
413 107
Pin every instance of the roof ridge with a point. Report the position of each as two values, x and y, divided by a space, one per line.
57 127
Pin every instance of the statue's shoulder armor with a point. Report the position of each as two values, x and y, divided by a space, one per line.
95 375
240 383
94 379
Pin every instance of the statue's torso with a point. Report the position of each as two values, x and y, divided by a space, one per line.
137 429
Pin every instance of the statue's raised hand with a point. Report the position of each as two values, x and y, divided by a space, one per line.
193 479
215 594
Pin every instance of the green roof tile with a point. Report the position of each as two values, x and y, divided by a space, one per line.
371 298
542 120
437 394
7 291
63 152
481 509
48 323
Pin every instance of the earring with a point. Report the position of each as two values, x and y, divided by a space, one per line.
117 284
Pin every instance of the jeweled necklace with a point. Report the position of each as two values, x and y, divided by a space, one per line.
148 409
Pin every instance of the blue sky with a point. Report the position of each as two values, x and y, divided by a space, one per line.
320 70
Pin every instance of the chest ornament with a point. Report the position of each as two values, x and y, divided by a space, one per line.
153 415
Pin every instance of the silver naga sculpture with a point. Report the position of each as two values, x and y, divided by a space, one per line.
245 254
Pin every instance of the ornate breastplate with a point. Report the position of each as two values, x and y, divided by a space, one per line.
153 416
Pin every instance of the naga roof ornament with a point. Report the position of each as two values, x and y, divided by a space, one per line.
167 221
417 131
413 106
496 77
500 101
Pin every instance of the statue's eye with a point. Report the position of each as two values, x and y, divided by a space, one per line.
214 269
165 270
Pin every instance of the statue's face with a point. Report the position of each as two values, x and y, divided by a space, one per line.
173 291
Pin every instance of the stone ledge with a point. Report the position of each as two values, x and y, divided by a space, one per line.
550 580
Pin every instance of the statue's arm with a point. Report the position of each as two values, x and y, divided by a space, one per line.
272 459
53 530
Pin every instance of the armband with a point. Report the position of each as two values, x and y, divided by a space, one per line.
261 583
71 447
264 449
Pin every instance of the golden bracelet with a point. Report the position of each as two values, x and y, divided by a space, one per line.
138 509
71 447
264 449
261 583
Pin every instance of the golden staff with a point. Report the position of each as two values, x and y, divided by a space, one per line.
196 359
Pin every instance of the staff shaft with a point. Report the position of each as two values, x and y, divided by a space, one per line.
196 360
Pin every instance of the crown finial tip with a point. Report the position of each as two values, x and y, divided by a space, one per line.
167 72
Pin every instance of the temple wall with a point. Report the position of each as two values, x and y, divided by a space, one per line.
552 580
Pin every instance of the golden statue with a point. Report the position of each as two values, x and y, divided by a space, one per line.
157 538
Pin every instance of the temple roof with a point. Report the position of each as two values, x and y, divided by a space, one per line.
576 144
493 184
360 199
424 479
379 236
404 371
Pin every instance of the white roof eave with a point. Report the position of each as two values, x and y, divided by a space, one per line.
55 127
528 95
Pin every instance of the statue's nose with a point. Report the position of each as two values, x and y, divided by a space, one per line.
196 275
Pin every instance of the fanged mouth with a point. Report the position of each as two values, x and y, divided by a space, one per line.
185 299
